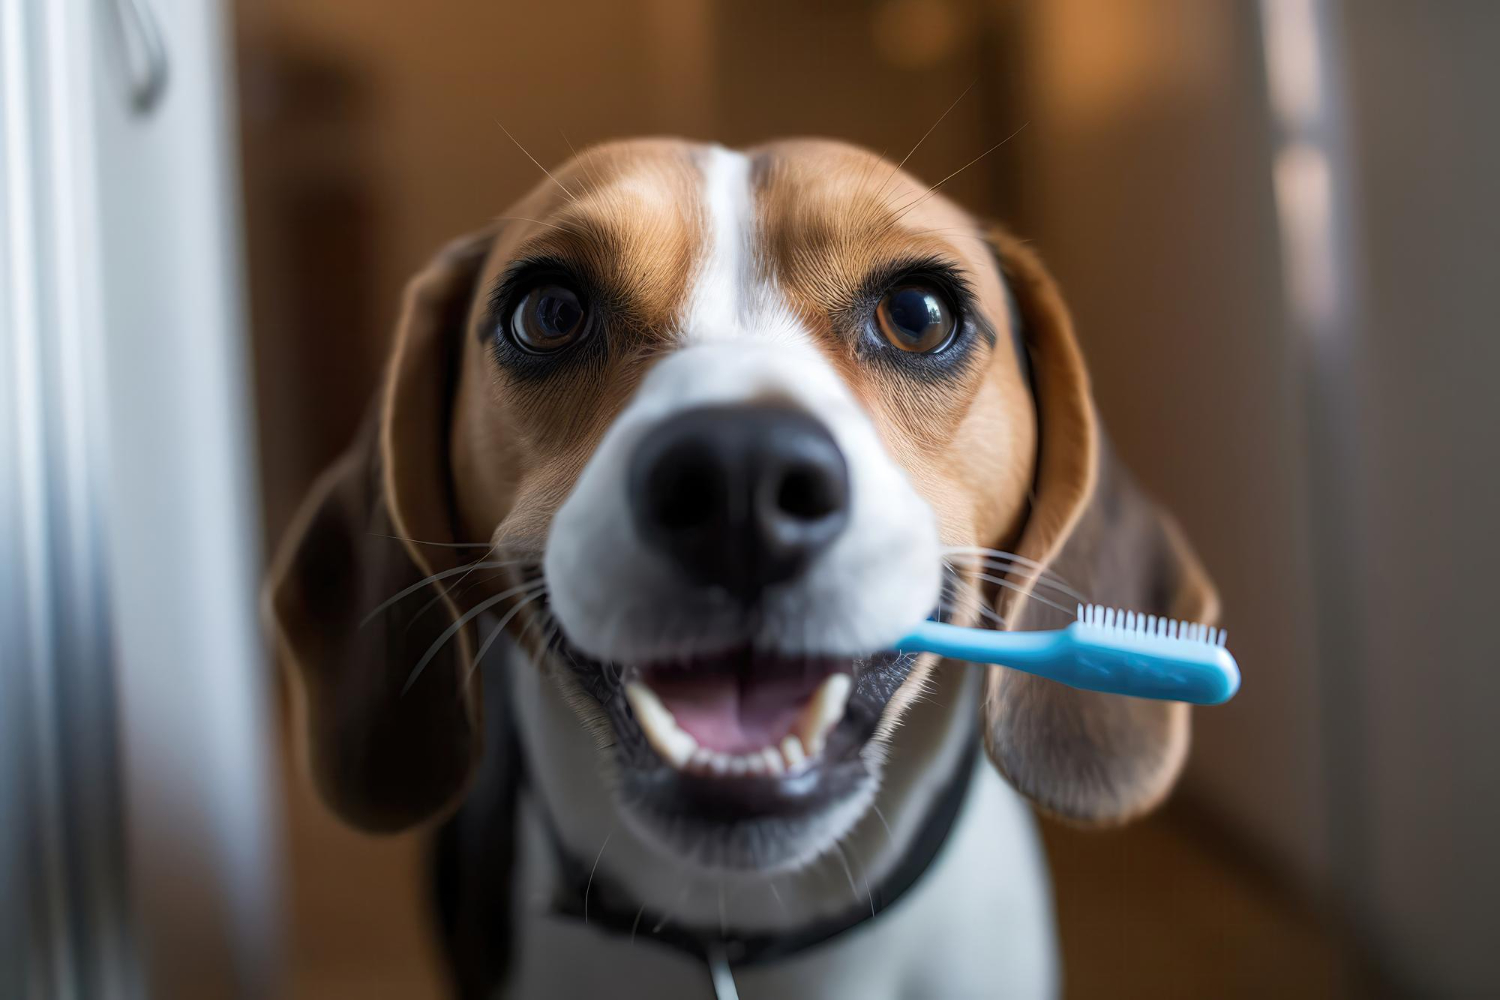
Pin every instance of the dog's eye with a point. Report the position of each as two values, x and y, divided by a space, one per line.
916 318
548 319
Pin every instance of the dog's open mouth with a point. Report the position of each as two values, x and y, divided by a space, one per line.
733 759
741 713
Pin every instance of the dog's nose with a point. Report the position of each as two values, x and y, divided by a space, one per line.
739 497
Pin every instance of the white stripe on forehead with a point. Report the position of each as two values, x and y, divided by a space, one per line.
730 299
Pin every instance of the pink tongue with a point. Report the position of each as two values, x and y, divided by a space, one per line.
734 714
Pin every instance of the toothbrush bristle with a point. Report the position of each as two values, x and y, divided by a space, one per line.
1099 616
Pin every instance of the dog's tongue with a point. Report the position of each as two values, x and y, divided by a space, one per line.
734 713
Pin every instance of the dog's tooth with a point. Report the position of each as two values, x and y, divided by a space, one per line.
648 709
700 760
718 763
824 710
662 732
683 750
755 764
774 764
832 697
738 766
792 752
675 746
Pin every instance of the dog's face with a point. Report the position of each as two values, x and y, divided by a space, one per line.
740 396
730 423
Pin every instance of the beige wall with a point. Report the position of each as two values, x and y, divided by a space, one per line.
1148 189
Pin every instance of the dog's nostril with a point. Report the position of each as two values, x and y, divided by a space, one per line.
685 490
810 493
739 498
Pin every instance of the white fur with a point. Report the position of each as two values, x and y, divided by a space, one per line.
978 924
616 599
724 275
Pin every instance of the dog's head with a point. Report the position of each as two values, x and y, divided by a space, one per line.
726 425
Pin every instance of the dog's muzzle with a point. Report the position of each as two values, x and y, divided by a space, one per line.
739 498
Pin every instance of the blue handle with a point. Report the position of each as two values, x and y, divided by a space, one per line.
1115 661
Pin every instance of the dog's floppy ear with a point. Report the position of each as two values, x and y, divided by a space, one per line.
1080 755
384 755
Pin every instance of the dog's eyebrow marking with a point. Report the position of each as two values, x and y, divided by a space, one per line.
729 298
714 312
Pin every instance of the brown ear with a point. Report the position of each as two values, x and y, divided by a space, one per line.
384 755
1080 755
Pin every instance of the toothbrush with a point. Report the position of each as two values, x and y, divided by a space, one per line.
1106 649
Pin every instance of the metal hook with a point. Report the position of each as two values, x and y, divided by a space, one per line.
145 54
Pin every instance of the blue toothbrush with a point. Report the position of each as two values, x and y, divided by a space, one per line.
1106 649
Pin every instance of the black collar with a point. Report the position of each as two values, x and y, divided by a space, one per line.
609 906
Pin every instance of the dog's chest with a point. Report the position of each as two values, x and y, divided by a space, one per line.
978 924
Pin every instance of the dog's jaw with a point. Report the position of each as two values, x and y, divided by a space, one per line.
565 730
617 602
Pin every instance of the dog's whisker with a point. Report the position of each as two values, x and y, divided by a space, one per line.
897 168
539 617
569 230
590 884
977 551
550 634
1025 592
968 591
681 896
933 190
439 596
565 190
635 925
957 572
587 165
442 575
973 551
980 607
460 622
890 834
499 628
848 873
440 545
477 582
776 894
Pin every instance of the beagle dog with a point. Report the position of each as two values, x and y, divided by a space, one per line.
665 460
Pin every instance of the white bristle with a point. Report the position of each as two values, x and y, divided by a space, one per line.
1100 616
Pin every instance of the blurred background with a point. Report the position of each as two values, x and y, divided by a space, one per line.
1276 223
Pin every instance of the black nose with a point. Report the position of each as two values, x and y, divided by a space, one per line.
739 497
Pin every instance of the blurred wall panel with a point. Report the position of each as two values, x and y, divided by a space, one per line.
878 74
1147 188
125 459
1422 80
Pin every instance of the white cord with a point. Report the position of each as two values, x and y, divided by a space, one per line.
723 979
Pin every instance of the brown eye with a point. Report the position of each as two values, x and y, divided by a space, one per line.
548 319
915 318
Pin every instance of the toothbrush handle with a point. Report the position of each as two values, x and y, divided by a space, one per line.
1138 666
1029 651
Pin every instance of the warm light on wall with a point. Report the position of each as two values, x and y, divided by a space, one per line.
1098 57
1291 47
915 34
1303 185
1303 173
